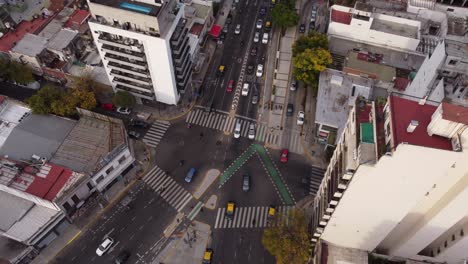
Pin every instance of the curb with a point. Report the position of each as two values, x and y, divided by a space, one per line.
100 213
179 115
306 150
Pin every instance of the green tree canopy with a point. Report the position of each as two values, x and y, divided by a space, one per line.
123 99
284 15
42 101
312 41
85 83
15 71
308 64
289 242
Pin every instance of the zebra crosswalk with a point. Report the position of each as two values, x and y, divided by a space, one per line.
221 121
155 133
316 176
250 217
167 188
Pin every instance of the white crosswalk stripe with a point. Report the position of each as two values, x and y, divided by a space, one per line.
250 217
295 144
156 133
167 188
316 176
223 122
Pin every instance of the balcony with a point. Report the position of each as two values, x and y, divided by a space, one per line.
133 86
128 69
130 77
124 53
119 43
136 93
125 61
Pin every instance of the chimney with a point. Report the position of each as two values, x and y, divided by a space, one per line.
412 126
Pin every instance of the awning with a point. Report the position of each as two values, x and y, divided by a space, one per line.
215 30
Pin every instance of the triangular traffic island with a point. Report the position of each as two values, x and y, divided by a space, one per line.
271 169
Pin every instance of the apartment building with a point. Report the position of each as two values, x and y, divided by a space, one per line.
144 46
397 183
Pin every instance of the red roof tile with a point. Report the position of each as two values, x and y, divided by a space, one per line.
455 113
76 19
215 31
403 111
9 40
49 186
341 17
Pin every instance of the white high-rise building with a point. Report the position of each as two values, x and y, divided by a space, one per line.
397 183
144 47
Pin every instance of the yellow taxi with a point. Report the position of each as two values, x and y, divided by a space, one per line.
271 212
208 256
230 208
221 70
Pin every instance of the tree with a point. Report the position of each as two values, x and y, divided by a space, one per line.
43 101
123 99
312 41
284 15
85 82
308 64
288 242
20 73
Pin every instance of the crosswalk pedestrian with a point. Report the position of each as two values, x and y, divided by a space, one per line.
167 188
221 121
316 176
250 217
156 133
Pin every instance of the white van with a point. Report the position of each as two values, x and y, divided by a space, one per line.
245 89
237 130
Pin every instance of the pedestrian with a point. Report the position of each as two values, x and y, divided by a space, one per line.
178 220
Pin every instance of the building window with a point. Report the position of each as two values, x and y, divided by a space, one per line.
452 62
109 170
75 199
152 29
98 180
90 186
122 159
453 237
462 233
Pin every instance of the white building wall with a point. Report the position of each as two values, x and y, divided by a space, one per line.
456 253
158 56
380 196
118 168
30 197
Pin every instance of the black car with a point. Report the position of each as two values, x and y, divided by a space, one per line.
255 98
122 257
290 110
262 11
250 68
138 123
229 19
302 28
253 51
134 134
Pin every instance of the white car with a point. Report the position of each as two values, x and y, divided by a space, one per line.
257 37
300 118
265 38
251 131
104 247
245 89
237 130
259 24
259 70
124 110
237 30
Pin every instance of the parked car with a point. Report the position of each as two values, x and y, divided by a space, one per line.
122 257
267 25
252 131
293 86
263 11
256 37
230 210
250 68
104 246
133 134
259 24
300 118
302 28
284 156
289 110
207 256
124 110
237 31
35 85
253 51
245 89
190 174
255 98
265 38
245 183
230 86
237 130
259 70
138 123
226 28
108 106
229 19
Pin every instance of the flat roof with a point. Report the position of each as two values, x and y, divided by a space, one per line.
62 39
355 64
132 6
11 38
394 28
341 16
77 18
31 45
455 113
334 101
403 112
196 29
11 114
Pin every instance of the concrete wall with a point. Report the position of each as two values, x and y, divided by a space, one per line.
380 196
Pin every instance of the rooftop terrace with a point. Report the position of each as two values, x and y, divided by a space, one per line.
362 65
394 28
133 6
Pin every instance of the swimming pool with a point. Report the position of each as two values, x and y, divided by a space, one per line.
142 9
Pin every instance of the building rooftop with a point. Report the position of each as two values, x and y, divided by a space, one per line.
196 29
337 93
201 11
31 45
341 16
455 113
403 112
11 38
11 114
361 63
36 134
56 24
78 18
394 28
62 39
133 6
88 143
